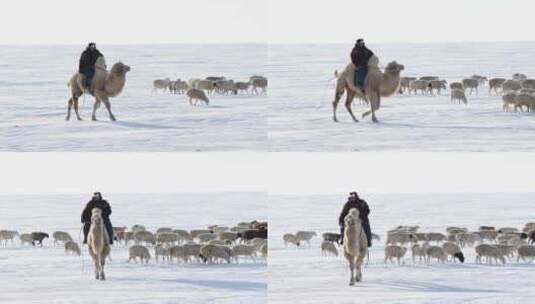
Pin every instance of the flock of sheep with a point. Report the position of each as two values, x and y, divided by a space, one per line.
518 92
491 244
197 89
215 244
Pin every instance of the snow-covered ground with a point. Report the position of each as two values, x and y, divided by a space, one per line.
34 94
300 117
303 275
47 275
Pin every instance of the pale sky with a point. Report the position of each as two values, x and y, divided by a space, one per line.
279 21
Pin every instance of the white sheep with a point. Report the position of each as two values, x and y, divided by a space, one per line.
508 100
213 253
528 84
178 252
454 251
489 235
524 100
506 250
495 83
228 236
162 251
168 238
511 85
161 84
419 251
205 85
456 86
290 238
437 85
435 252
26 238
243 86
264 250
144 236
418 85
164 229
305 236
138 251
429 78
394 251
72 248
458 95
259 82
183 235
405 82
196 95
7 235
328 247
61 236
519 76
472 84
490 252
402 238
525 251
191 250
436 237
466 239
244 251
206 237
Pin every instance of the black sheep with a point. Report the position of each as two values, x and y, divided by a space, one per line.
38 237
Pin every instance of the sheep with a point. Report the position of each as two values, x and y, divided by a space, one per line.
419 85
508 100
206 237
429 78
505 230
243 86
264 250
137 227
489 235
212 253
192 82
183 234
191 250
435 252
259 82
456 86
527 91
437 85
252 233
138 251
161 84
436 237
38 237
226 86
511 85
179 86
480 79
331 237
178 252
419 251
291 238
328 247
524 252
466 239
7 235
532 237
259 225
228 236
524 100
245 251
490 252
405 83
469 83
72 248
456 230
196 232
400 238
506 250
218 242
376 237
144 236
528 84
420 236
519 77
164 229
529 227
305 236
205 85
215 78
61 236
453 250
495 83
516 242
160 250
258 242
486 228
394 251
458 95
196 94
26 238
218 229
168 238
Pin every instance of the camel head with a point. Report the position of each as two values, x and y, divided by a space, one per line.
352 217
96 216
120 68
394 67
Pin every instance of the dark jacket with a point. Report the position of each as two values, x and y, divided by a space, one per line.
87 62
96 203
360 55
360 204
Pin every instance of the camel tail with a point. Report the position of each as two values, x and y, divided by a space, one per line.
336 73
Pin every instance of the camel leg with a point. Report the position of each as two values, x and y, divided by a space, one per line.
358 276
107 103
69 106
349 99
102 263
337 97
96 105
75 101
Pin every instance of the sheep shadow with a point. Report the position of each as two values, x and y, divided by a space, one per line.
241 286
434 287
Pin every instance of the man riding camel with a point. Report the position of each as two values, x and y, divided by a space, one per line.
87 63
354 201
97 202
360 55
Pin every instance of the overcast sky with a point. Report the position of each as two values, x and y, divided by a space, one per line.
279 21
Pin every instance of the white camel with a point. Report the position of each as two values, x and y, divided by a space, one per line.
98 243
355 245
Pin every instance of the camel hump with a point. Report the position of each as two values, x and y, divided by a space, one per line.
100 63
373 62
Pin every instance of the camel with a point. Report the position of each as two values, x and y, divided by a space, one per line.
355 245
376 85
104 85
98 243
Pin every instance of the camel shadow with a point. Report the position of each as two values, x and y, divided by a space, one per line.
241 286
434 287
140 125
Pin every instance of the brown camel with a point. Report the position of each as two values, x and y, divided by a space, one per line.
104 85
377 85
98 243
